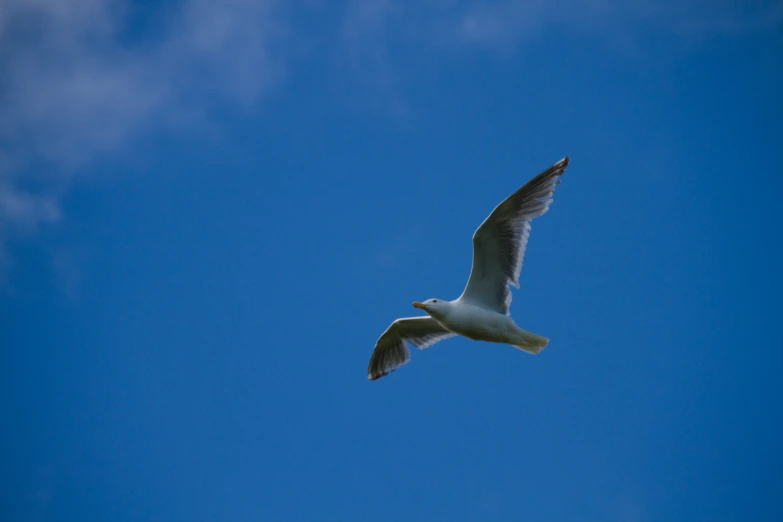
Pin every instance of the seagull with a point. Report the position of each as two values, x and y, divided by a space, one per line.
481 313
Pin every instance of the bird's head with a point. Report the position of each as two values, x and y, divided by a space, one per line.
434 307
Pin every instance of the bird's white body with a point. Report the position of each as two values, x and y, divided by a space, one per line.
475 322
480 324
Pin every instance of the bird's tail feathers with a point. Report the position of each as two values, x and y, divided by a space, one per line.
529 342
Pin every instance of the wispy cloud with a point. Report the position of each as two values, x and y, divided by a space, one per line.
507 22
503 23
383 38
79 80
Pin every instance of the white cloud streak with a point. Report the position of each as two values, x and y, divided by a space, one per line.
77 81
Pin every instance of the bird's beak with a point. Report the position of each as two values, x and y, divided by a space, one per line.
416 304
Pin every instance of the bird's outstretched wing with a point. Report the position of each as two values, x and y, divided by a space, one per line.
390 350
499 243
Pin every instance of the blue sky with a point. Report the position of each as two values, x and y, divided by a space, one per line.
209 213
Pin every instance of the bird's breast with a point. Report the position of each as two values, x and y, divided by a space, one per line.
477 323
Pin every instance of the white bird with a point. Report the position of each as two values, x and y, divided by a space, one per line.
481 313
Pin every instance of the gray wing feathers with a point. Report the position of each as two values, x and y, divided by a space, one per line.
391 351
499 243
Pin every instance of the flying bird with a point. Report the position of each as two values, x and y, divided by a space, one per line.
481 313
